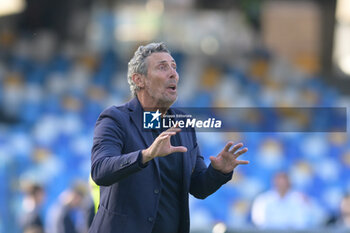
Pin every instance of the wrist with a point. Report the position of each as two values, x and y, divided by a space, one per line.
222 171
146 156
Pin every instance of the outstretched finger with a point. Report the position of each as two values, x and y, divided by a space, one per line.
179 149
173 129
227 147
238 162
236 147
166 133
169 133
164 136
239 153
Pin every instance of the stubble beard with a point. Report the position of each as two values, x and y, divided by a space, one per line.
163 101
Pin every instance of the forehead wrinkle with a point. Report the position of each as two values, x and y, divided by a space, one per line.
165 61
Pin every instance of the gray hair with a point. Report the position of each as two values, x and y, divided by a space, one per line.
138 64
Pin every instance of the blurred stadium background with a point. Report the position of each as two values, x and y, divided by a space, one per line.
63 62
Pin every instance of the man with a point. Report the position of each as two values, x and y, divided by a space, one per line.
146 176
67 215
32 204
344 221
282 208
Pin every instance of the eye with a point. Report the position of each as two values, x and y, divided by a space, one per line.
163 67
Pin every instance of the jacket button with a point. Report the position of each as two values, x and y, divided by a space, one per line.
156 191
150 219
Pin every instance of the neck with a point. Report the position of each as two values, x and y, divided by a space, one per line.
152 105
282 193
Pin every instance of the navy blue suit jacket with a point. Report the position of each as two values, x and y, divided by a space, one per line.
129 191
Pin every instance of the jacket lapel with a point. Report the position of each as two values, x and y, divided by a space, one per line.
136 115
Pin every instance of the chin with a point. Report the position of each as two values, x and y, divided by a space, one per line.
168 101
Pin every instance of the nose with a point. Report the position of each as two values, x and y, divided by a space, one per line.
174 74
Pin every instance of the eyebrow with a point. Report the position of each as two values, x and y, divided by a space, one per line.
165 61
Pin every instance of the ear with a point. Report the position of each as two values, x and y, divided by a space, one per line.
138 80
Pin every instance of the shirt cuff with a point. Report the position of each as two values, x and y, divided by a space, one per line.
219 173
139 160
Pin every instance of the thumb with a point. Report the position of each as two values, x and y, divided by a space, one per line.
212 159
179 149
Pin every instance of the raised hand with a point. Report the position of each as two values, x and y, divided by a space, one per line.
226 160
162 146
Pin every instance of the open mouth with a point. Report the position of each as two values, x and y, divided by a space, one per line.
172 87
